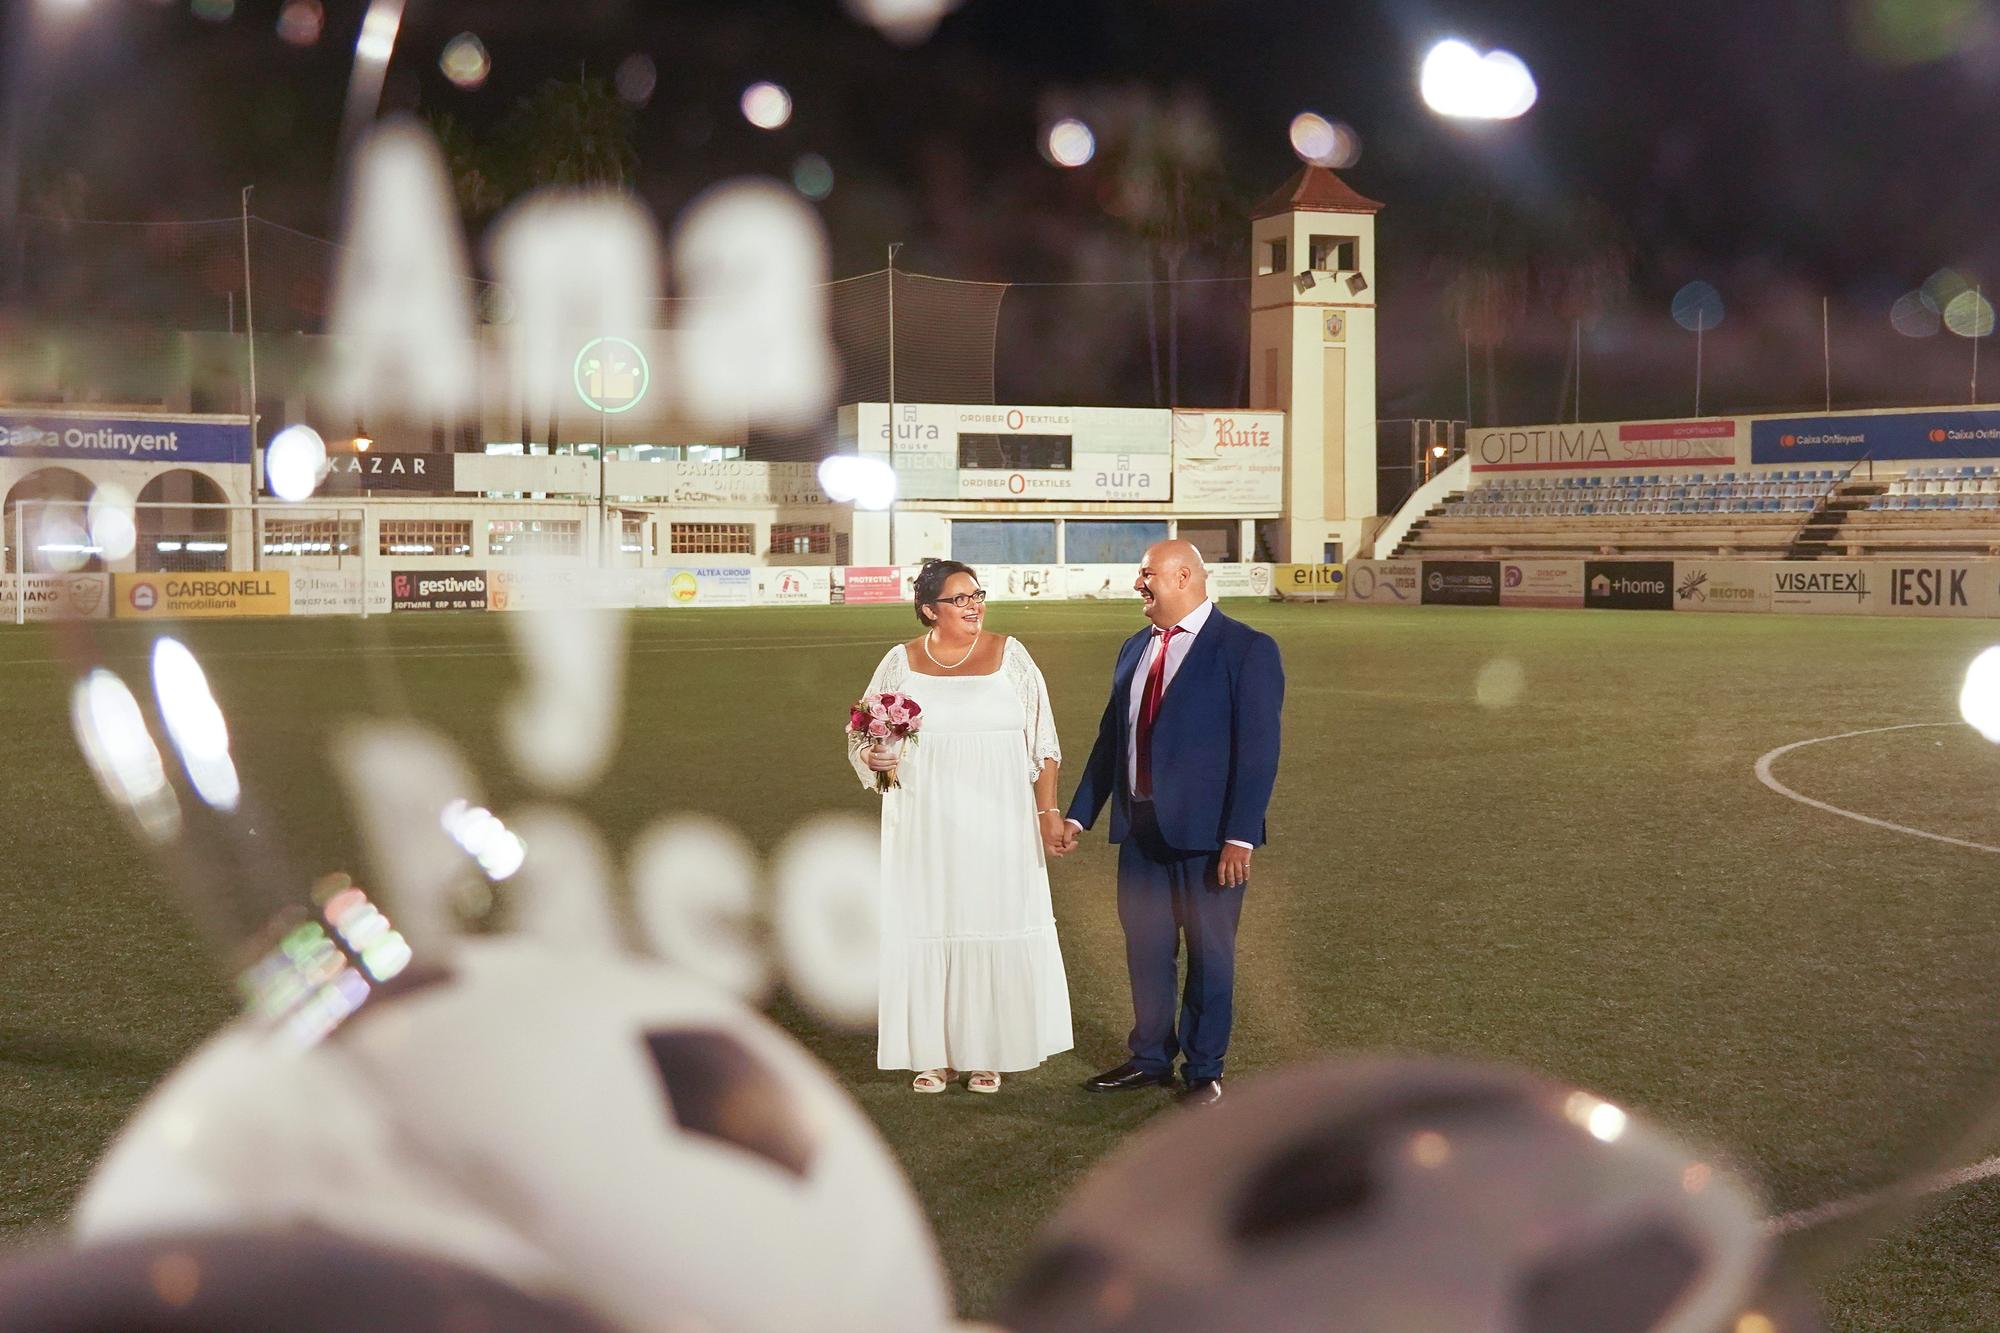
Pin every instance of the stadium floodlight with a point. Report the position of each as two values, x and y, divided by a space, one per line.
865 483
294 461
195 723
1979 699
1457 81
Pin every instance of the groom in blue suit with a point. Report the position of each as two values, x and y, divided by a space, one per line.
1186 754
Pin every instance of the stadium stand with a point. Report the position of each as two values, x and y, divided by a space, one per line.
1773 514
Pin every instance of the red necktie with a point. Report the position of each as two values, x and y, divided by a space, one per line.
1149 709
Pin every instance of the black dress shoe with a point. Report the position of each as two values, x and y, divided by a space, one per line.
1126 1077
1200 1092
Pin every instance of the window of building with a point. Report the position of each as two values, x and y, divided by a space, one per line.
987 542
1216 541
632 534
1274 257
711 538
801 539
1335 254
534 536
1015 453
312 536
184 553
1111 543
424 536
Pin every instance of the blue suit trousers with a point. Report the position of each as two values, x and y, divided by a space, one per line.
1164 895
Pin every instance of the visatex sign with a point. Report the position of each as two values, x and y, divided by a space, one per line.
123 439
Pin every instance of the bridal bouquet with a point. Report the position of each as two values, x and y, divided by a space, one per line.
884 719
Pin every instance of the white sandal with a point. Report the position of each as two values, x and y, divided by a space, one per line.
931 1080
984 1080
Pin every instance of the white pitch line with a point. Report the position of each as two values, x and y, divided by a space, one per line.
1764 776
1805 1219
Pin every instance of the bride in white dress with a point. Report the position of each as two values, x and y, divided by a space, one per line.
972 974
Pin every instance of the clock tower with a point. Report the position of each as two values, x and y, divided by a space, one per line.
1312 355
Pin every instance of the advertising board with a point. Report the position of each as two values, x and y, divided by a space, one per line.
1722 585
264 592
437 590
1541 583
1589 446
1385 582
710 585
1309 583
1629 585
1461 583
55 596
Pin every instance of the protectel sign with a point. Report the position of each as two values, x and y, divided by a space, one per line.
872 584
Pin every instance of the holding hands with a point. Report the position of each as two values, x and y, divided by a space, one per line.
1058 834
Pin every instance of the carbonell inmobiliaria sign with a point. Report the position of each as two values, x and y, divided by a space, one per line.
1614 445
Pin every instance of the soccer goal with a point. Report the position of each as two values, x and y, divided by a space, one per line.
87 558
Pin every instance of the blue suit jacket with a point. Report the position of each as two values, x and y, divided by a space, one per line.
1215 741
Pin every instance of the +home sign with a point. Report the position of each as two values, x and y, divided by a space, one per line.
611 375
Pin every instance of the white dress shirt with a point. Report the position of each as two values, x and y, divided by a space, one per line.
1177 650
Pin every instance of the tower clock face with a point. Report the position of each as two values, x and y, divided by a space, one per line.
1336 326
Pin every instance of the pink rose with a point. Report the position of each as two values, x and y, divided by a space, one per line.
879 730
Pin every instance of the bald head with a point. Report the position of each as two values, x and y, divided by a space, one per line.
1173 581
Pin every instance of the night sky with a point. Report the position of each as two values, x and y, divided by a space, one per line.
1784 150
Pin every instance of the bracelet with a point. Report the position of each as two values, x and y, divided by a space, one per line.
1052 810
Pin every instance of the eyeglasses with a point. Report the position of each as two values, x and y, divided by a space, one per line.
964 599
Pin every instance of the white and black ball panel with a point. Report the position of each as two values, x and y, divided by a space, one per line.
716 1085
645 1131
1397 1193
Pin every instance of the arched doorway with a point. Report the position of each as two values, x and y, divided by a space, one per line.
50 527
176 537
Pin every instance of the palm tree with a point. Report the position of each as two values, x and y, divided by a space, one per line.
574 132
1587 274
471 169
1168 185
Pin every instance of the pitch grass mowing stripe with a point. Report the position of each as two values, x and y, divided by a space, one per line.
1764 776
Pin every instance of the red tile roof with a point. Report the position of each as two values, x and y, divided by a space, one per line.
1314 189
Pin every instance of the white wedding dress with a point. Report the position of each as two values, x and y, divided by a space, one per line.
972 974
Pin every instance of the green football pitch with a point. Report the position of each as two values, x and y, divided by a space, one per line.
1534 837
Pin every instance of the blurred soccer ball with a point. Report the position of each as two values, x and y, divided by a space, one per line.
1400 1194
602 1127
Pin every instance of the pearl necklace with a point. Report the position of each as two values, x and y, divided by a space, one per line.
950 666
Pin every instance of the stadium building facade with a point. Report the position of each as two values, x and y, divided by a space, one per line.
1056 500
